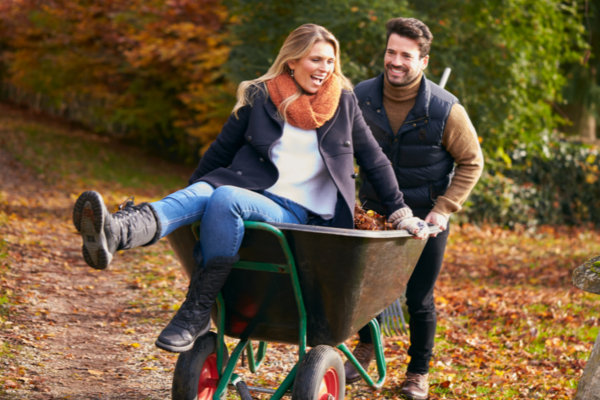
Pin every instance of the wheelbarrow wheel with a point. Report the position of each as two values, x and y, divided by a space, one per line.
196 375
320 376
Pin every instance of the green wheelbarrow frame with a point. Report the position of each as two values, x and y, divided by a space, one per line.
254 362
286 264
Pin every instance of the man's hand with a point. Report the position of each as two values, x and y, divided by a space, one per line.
415 226
437 219
403 219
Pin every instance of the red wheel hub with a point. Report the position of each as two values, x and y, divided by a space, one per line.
209 376
330 385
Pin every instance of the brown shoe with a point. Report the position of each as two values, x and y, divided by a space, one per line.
364 353
415 386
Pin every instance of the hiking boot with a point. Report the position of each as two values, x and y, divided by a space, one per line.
193 317
104 233
415 386
364 353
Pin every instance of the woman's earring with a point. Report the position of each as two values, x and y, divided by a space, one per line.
292 73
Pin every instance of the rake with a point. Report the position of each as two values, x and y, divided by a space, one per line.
390 324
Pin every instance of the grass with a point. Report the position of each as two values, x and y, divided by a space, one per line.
79 160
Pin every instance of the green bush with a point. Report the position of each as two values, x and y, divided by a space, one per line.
506 58
551 182
498 199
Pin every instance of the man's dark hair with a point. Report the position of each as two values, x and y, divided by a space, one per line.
413 29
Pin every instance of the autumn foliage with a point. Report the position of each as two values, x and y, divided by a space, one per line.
369 220
147 70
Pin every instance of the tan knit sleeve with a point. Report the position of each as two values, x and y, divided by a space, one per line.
460 139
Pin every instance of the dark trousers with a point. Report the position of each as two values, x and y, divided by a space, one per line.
421 308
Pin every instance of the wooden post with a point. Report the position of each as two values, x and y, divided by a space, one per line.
587 277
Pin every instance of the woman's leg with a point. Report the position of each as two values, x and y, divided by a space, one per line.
223 223
221 235
183 207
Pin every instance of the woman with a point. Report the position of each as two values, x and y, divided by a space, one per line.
285 155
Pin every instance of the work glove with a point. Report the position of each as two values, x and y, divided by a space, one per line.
403 219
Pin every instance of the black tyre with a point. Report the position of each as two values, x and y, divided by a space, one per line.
320 376
196 374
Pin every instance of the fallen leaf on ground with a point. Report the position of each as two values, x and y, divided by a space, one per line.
94 372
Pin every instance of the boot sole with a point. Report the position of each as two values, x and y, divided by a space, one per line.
182 349
88 218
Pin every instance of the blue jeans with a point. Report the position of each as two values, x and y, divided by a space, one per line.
223 212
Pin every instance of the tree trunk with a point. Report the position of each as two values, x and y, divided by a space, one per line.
588 125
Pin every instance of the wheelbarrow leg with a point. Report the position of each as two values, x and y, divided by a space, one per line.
379 357
254 363
290 268
226 377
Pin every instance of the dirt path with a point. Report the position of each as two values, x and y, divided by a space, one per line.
80 336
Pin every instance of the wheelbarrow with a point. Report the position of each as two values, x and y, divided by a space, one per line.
310 286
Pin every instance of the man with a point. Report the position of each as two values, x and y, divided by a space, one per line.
435 152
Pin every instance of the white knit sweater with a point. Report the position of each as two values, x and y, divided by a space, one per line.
303 176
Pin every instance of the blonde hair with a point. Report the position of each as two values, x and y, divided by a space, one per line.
298 44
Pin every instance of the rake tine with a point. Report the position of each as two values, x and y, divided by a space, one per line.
391 328
400 313
397 329
384 322
391 324
388 320
403 322
391 318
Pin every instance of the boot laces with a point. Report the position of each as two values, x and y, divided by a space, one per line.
193 294
127 203
127 208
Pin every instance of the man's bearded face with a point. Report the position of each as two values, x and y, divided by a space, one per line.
403 62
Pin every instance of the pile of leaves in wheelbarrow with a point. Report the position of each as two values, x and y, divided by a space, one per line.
370 220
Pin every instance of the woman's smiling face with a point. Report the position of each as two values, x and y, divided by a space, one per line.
312 70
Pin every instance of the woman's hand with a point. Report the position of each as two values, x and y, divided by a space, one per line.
403 219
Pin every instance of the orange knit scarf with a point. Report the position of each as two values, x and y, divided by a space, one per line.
307 112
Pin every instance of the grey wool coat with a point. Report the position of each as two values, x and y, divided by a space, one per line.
241 154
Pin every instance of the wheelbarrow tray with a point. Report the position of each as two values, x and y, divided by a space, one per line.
347 277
